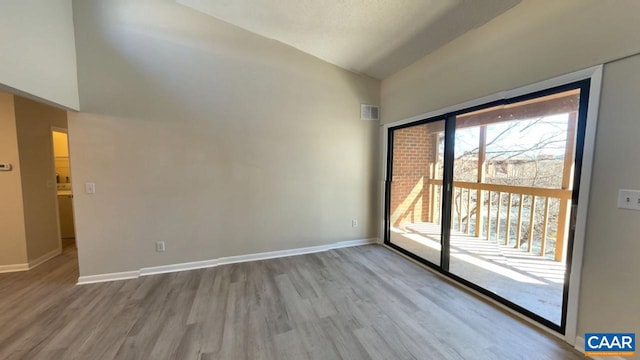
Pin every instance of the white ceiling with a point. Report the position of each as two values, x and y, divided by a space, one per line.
374 37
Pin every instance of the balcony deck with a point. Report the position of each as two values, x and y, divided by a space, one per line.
531 281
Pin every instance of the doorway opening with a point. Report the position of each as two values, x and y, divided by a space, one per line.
488 196
64 190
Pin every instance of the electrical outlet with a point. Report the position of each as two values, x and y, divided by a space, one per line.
629 199
354 223
160 246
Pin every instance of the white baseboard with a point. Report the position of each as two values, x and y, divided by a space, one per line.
44 258
31 264
163 269
92 279
580 347
13 268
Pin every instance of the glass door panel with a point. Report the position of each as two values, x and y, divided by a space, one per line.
511 200
415 201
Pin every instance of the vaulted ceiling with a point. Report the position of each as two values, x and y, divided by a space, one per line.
374 37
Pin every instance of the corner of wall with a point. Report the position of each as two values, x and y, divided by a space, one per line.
35 150
42 62
13 250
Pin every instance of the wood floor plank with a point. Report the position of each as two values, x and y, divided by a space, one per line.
212 319
289 346
261 344
341 333
355 303
378 348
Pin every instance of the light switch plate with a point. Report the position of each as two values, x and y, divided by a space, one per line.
629 199
90 188
160 246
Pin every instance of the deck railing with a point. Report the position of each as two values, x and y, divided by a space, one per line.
523 217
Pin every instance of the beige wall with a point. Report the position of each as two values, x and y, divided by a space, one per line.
38 50
610 287
534 41
61 152
60 144
215 140
35 144
13 249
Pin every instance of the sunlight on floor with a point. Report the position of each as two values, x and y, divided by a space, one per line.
497 269
526 279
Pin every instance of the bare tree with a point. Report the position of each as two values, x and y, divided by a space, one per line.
527 153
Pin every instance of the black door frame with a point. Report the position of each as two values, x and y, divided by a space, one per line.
443 268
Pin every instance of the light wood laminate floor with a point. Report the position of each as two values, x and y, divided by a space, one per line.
534 282
356 303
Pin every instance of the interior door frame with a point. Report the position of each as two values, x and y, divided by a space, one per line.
55 189
594 74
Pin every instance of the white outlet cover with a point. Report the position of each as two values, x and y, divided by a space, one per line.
629 199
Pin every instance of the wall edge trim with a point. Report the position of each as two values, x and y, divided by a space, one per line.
31 264
44 258
93 279
13 268
579 344
163 269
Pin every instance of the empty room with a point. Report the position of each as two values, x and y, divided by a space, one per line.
341 179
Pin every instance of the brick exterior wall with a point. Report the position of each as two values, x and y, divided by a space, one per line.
414 153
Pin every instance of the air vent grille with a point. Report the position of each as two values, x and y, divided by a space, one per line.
369 112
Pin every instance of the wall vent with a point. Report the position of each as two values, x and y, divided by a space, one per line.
369 112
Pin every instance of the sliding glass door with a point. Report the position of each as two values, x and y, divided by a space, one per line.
415 192
486 196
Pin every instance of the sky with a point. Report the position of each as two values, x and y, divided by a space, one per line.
515 137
